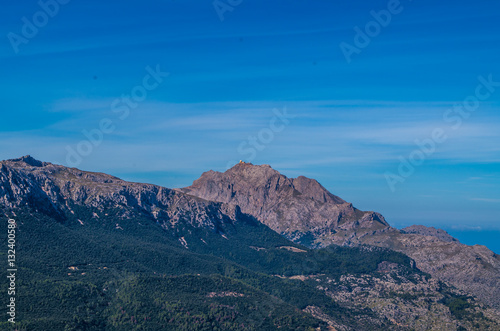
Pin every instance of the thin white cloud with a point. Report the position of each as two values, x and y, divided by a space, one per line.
463 227
207 135
486 200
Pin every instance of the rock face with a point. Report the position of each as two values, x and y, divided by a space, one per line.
55 190
394 298
305 212
300 208
473 269
429 231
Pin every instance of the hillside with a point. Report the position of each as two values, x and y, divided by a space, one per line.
99 253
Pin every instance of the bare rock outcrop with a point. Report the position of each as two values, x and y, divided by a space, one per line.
429 231
56 190
298 208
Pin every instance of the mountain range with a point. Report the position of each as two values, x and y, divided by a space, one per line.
247 249
305 212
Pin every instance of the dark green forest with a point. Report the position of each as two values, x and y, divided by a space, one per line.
133 274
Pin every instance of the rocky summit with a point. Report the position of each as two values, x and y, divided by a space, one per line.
305 212
298 208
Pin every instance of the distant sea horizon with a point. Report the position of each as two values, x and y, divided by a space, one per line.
488 238
468 236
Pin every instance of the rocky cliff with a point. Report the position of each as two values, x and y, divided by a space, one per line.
299 208
56 190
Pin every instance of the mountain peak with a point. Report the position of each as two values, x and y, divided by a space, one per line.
28 160
289 206
258 175
249 171
247 165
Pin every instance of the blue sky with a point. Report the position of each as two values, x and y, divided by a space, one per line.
349 124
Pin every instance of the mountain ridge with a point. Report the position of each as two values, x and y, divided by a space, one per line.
163 230
53 186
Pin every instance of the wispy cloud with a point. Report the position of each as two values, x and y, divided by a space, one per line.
462 227
486 200
475 178
323 133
